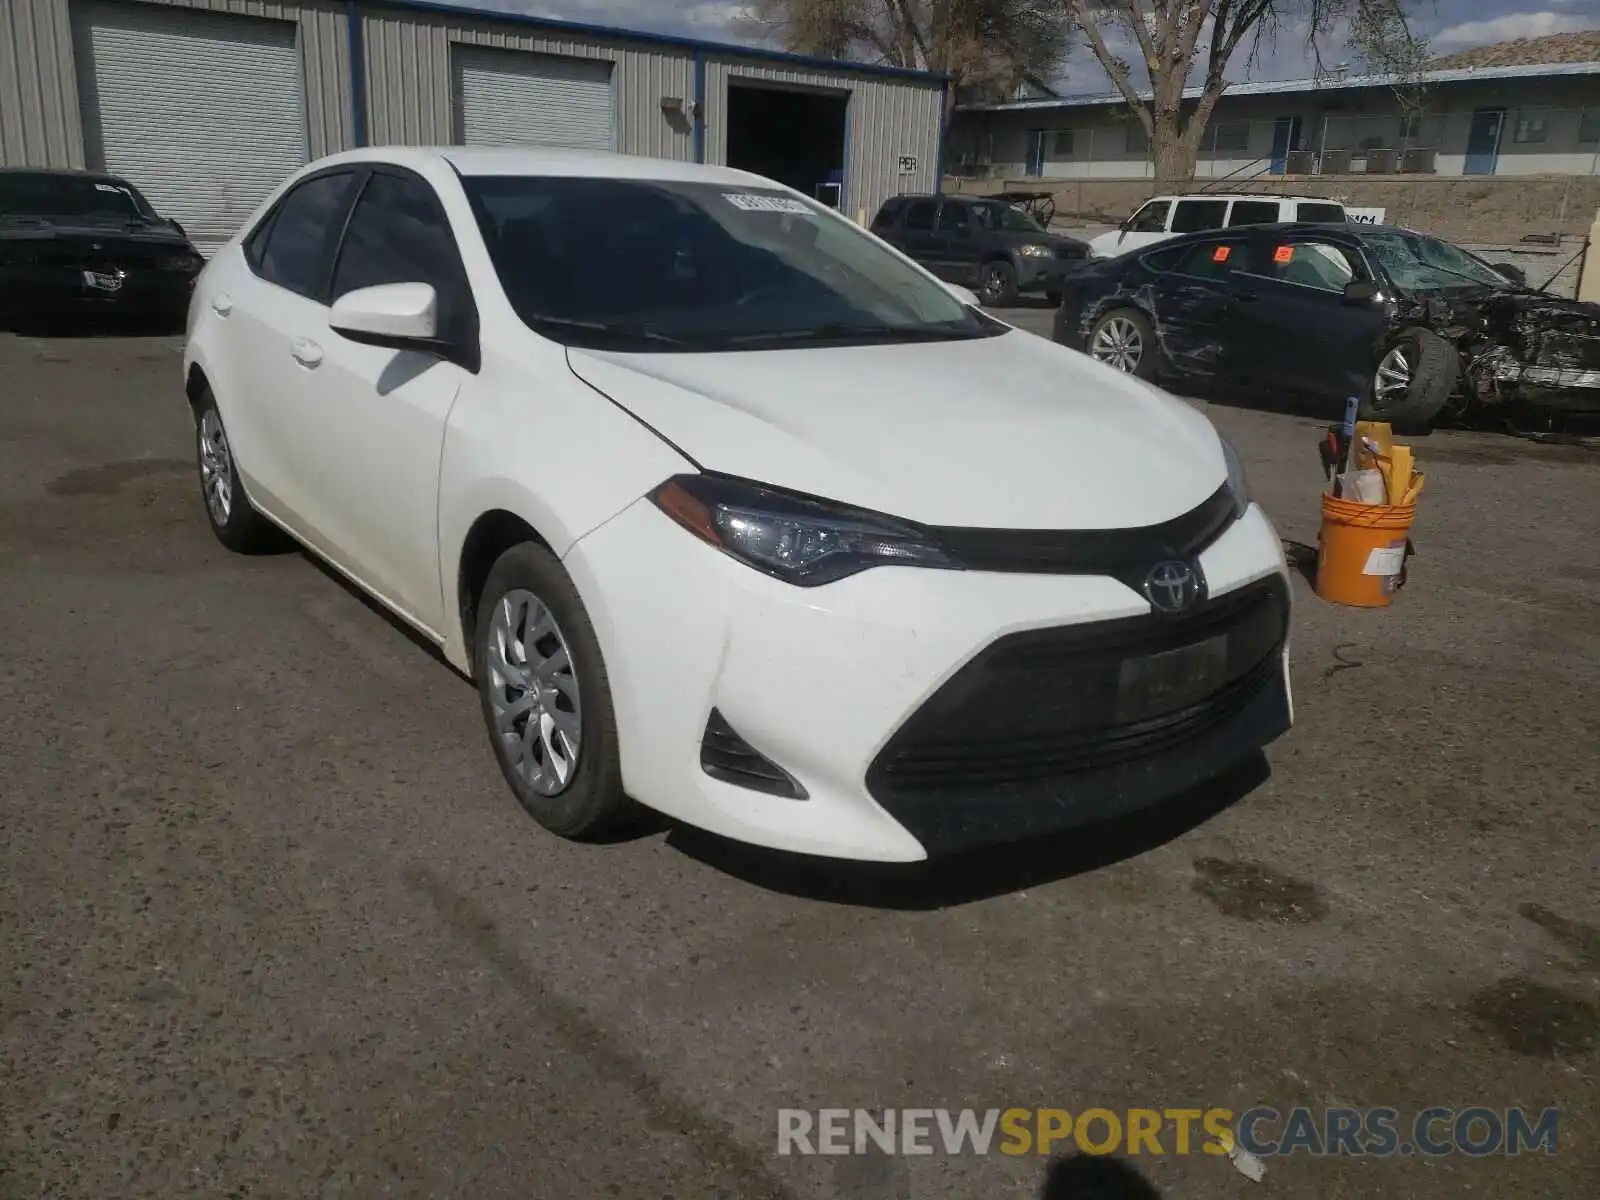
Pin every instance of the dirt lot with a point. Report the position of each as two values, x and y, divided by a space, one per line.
270 925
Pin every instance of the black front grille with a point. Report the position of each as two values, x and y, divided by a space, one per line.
1120 553
1045 704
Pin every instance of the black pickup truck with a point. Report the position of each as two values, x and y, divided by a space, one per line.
76 243
980 242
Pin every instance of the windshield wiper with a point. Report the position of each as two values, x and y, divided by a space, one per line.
851 333
643 332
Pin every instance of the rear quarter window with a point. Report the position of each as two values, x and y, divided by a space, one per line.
889 213
1322 213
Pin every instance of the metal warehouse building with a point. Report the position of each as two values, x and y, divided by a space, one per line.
206 105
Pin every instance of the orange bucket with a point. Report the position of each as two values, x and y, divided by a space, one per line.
1361 553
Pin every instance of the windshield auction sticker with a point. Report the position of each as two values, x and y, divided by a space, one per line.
775 204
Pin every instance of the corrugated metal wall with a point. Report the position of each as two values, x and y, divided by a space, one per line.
40 123
409 82
409 85
888 118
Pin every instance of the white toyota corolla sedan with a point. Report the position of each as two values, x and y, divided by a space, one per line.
732 510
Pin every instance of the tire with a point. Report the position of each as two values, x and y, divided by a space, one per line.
1121 332
1431 369
229 511
527 591
997 286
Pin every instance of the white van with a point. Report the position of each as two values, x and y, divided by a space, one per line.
1167 216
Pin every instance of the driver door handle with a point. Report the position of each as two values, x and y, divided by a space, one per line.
306 352
222 304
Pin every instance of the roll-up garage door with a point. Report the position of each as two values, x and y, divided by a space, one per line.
507 98
203 113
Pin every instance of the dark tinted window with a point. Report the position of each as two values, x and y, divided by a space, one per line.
889 213
398 233
1192 216
44 194
919 215
1152 218
954 218
1203 260
1320 212
296 253
1253 212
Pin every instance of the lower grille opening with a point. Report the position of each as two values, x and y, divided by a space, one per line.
726 756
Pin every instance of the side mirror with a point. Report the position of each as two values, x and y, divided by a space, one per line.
965 295
1360 291
401 316
1514 273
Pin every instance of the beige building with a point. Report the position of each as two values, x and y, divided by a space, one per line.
205 105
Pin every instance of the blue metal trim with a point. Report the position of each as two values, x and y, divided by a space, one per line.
660 39
944 131
358 72
699 125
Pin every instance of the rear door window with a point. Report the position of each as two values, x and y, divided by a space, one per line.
920 215
1193 216
1253 212
1321 213
298 252
1308 263
953 218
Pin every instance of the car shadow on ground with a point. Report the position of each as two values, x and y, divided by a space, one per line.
978 874
1094 1177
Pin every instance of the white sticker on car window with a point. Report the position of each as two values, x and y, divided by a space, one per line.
775 204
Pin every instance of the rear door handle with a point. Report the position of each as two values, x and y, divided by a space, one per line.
306 352
222 305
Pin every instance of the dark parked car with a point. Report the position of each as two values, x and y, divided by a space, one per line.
77 242
1406 322
979 242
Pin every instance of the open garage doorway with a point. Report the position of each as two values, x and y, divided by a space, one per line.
792 135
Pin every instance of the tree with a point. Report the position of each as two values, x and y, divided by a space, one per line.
988 48
1176 39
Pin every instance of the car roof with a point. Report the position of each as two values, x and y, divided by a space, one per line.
61 172
545 160
1247 196
1280 228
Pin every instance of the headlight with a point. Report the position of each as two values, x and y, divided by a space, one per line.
1035 251
1237 486
797 539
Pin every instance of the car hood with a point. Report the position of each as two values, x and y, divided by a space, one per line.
1010 432
1018 237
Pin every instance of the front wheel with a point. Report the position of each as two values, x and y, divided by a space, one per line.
1123 339
546 698
998 287
1413 380
233 519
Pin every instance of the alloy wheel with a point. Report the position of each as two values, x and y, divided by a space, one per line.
1391 385
533 693
994 281
1118 343
216 467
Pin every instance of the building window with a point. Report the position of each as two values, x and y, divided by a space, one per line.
1231 137
1410 127
1531 126
1589 127
1062 145
1137 141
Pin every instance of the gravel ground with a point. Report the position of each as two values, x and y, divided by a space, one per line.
270 925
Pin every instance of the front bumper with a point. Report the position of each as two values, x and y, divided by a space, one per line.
822 680
1044 274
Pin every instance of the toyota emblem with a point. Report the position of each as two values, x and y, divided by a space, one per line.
1171 587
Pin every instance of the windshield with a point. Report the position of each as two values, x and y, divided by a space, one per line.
631 264
1003 216
1424 264
40 194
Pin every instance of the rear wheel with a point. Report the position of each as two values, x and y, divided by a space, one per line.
998 286
1123 339
233 519
1413 380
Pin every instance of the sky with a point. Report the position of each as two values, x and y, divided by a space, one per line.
1449 25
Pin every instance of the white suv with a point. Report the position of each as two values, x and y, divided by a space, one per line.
1168 216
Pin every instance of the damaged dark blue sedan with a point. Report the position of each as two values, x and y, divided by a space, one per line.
1415 327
